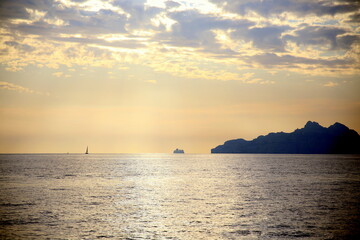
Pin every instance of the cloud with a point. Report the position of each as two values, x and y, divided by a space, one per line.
133 44
70 18
75 22
354 18
347 41
172 4
298 7
151 81
58 74
274 60
194 29
238 34
15 9
331 84
140 15
18 88
61 74
19 46
322 35
267 38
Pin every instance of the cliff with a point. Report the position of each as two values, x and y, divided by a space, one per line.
312 139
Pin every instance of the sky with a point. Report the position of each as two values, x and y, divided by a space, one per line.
149 76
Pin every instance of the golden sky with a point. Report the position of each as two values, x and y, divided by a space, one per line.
128 76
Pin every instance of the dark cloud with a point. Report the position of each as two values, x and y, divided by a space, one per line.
322 36
274 60
103 21
172 4
140 15
89 26
121 44
15 9
10 5
92 52
191 28
78 21
298 7
75 21
347 41
194 29
268 38
20 46
355 18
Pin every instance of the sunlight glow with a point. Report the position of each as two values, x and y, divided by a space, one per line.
192 72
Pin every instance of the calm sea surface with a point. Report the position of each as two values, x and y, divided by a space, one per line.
167 196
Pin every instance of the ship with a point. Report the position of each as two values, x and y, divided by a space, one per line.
87 150
178 151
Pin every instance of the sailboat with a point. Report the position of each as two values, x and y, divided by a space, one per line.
87 150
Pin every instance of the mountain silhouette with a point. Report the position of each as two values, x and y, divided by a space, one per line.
312 139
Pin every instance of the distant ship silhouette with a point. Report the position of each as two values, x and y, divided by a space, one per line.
87 150
178 151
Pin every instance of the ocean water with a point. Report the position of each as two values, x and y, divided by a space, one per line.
167 196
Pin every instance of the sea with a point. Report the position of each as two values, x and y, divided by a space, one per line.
179 196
